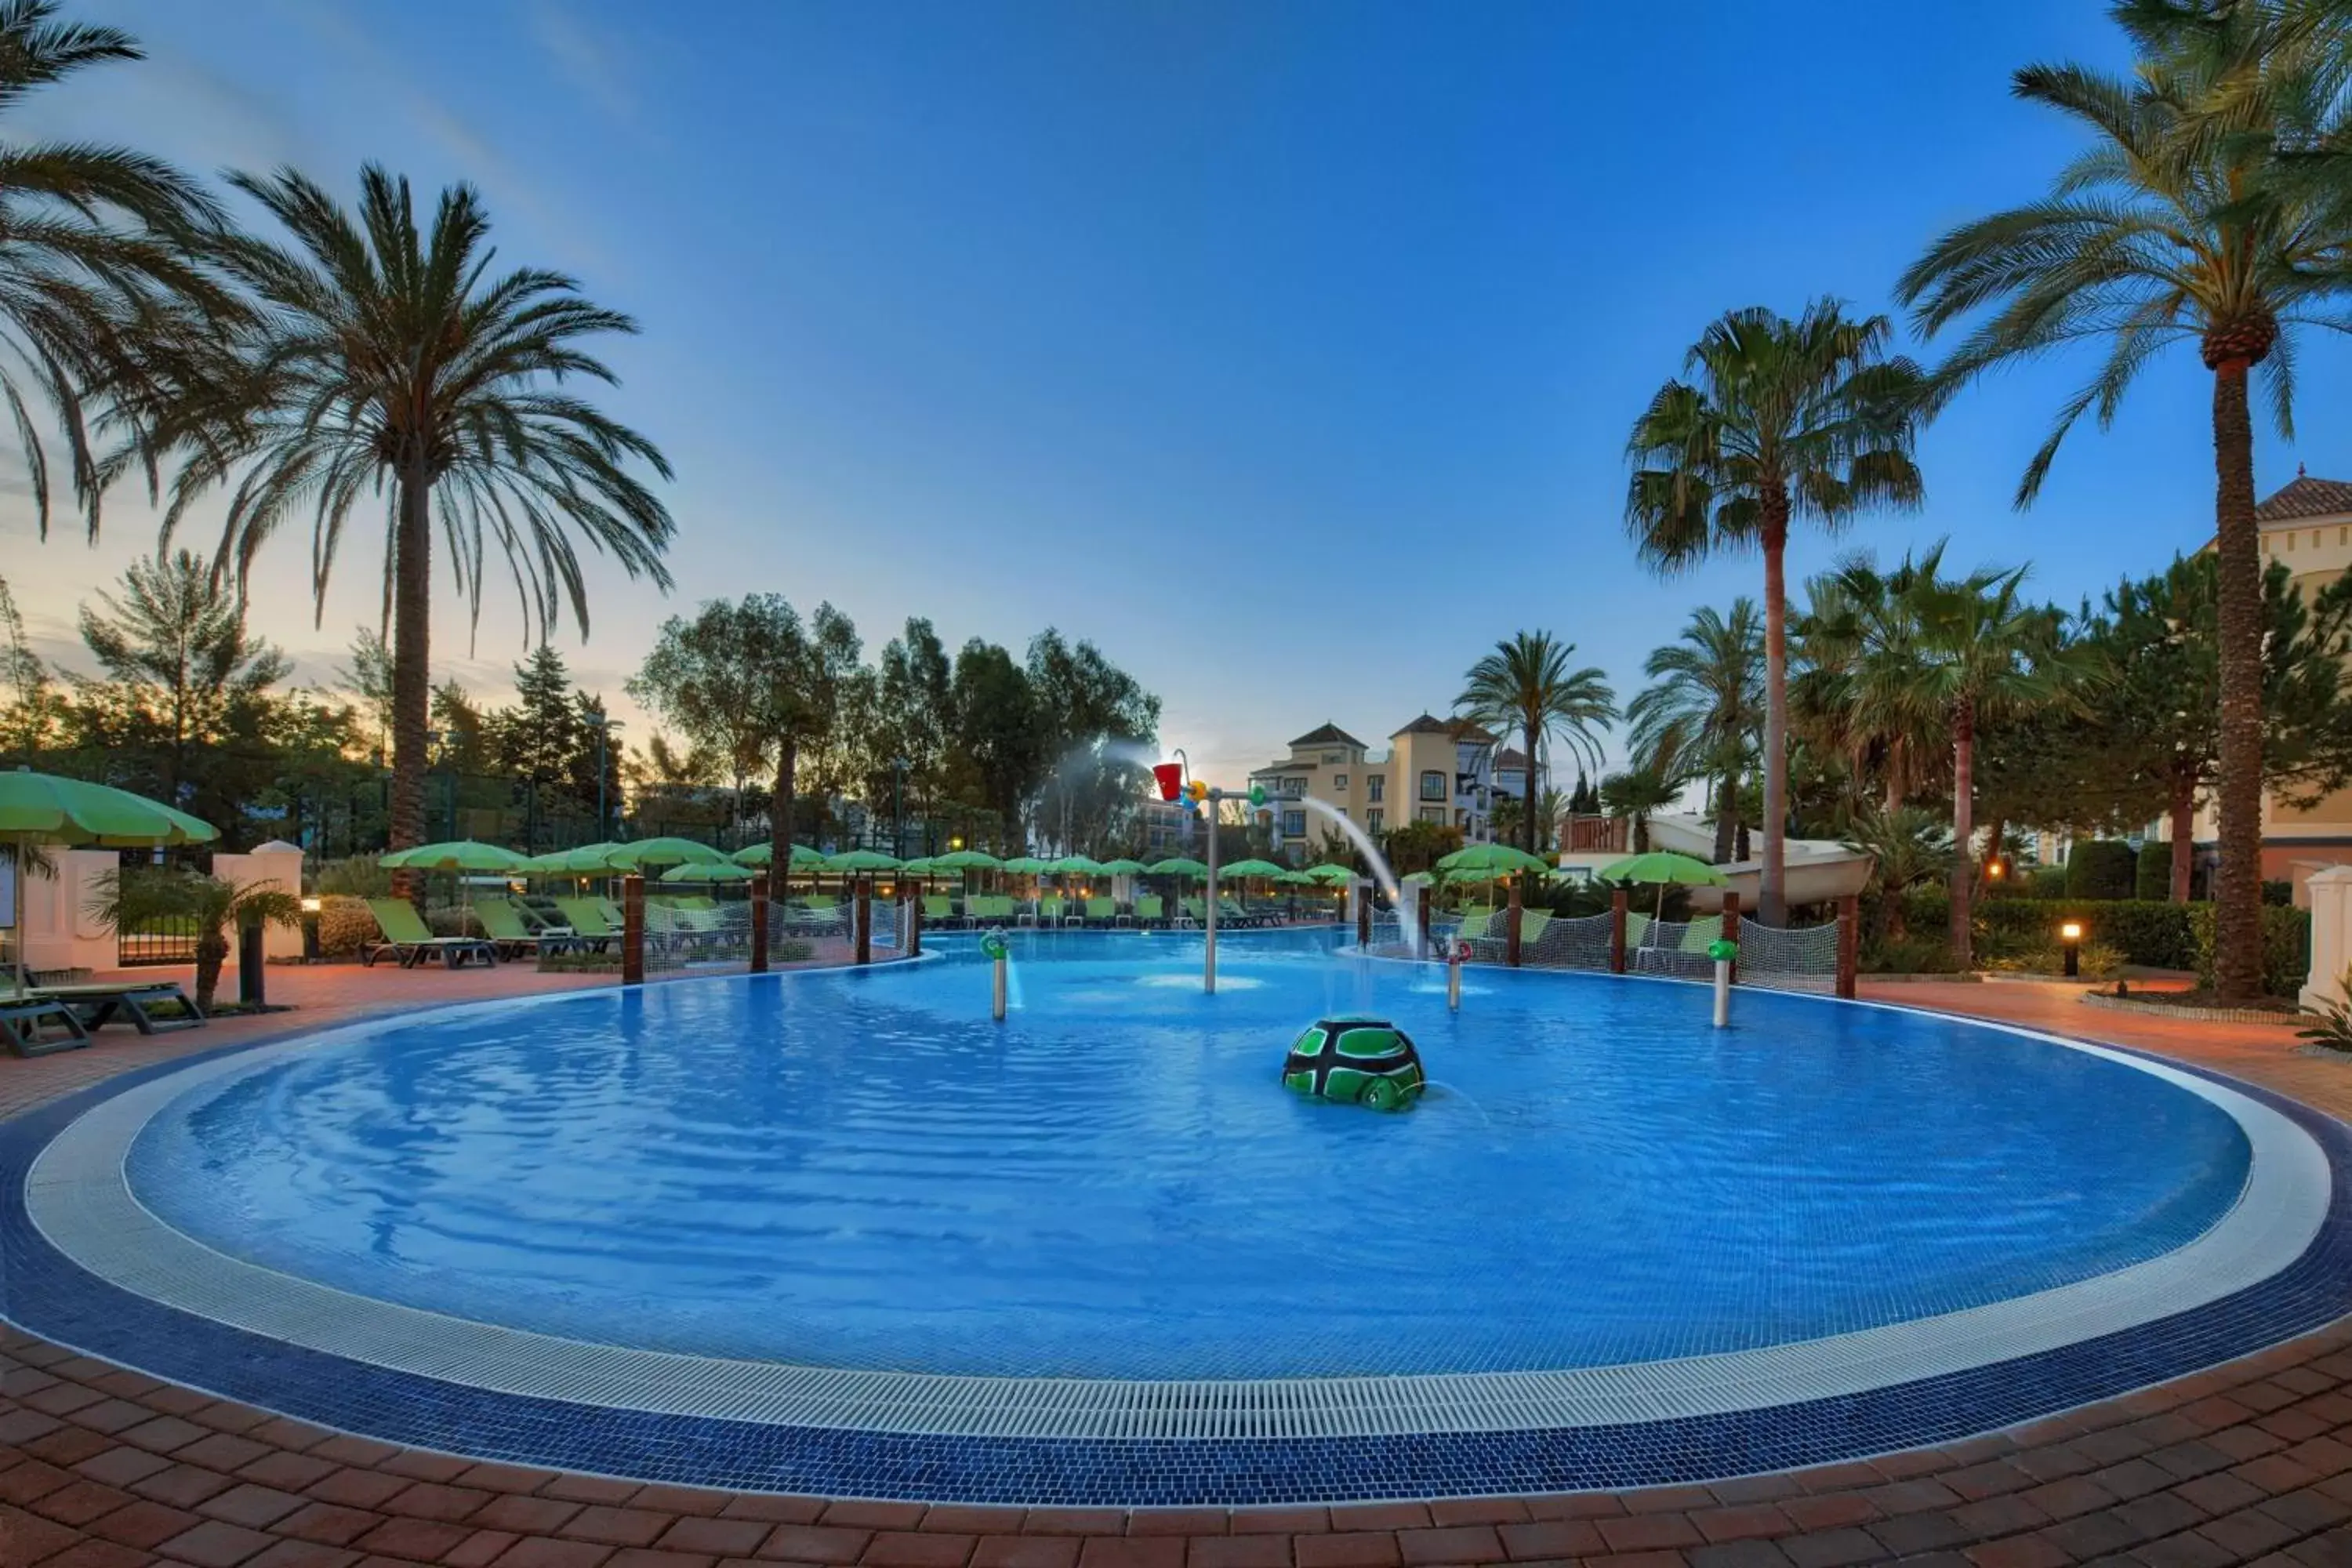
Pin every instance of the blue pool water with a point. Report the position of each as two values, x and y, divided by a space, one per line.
860 1170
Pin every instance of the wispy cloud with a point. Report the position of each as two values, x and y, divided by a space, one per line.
582 57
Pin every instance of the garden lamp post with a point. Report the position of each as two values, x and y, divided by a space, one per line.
2070 940
604 728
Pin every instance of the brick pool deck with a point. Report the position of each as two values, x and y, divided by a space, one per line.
2251 1462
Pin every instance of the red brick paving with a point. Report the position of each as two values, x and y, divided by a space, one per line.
104 1468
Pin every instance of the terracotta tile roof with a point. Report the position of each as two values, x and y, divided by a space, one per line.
1510 757
1424 725
2307 497
1329 735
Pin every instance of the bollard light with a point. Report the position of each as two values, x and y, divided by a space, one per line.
311 908
2070 940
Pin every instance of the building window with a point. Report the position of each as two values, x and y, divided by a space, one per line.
1462 820
1331 757
1433 788
1372 784
2290 542
1294 788
2315 539
1339 781
1375 819
1294 825
1435 813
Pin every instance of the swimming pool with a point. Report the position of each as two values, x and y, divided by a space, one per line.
847 1201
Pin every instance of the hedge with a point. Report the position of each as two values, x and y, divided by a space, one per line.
2154 880
2147 932
2286 947
2101 868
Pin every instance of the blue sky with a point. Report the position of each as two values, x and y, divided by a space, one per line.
1288 352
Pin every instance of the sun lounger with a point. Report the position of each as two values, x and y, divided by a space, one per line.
96 1004
407 939
939 909
1150 910
23 1019
502 922
586 919
1101 911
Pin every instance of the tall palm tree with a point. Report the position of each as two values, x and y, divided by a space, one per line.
1979 654
2189 217
1854 654
392 364
1710 686
1776 421
1527 682
99 298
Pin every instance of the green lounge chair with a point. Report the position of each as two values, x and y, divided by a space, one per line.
1101 911
1049 910
23 1019
1195 910
96 1003
1150 910
502 922
1531 924
408 939
939 909
586 919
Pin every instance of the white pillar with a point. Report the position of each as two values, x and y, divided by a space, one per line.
277 864
2331 935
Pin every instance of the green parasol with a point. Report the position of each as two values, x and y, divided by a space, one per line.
645 853
1251 868
1663 869
587 860
1177 866
1076 866
457 855
861 860
1295 879
42 808
1488 862
1329 875
1122 867
707 872
1420 879
967 860
1025 866
803 858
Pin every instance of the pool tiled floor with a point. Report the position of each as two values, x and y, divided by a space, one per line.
2251 1462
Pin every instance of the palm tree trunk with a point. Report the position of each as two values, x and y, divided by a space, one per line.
1528 789
2184 831
2238 888
1964 870
412 667
212 953
780 825
1727 816
1772 899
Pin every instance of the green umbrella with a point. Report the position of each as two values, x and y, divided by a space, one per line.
967 860
803 858
862 860
645 853
921 865
1122 867
708 871
42 808
1177 866
1663 869
1251 868
1025 866
1076 866
587 860
1295 879
1329 874
457 855
1491 860
1420 879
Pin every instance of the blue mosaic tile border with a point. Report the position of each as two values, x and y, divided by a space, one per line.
44 1293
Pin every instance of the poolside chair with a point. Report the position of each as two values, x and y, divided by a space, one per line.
408 939
1531 925
939 909
23 1019
1049 910
1192 911
1101 911
502 922
586 919
96 1003
1150 910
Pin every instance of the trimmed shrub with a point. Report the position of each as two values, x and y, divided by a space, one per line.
2286 947
2154 880
343 923
2102 869
357 876
2152 934
2046 882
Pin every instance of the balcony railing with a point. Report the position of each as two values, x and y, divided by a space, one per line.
1595 835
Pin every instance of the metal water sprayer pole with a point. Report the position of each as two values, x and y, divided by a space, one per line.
1209 964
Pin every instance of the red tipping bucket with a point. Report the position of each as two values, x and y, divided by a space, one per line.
1172 779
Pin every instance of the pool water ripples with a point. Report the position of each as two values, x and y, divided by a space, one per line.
861 1170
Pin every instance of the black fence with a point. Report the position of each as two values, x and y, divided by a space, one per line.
159 941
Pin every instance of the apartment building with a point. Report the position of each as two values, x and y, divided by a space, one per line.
1434 770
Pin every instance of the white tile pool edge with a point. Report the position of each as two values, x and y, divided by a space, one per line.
76 1194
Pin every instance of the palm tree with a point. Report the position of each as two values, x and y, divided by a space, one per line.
392 363
1979 654
1527 682
1640 792
100 297
1710 690
1908 846
142 895
1852 692
2192 217
1778 420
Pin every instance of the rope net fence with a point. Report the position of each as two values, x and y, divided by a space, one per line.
1789 958
700 935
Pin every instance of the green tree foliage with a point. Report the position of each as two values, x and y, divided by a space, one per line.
1775 422
1410 847
2195 215
2152 872
1095 723
2101 868
1909 847
1526 684
1640 792
140 897
387 356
